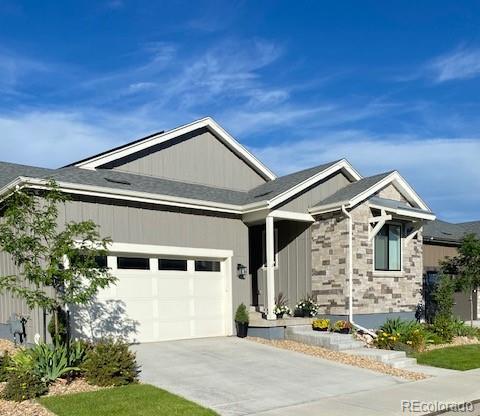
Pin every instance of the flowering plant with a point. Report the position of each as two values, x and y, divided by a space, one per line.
281 310
321 324
306 307
342 326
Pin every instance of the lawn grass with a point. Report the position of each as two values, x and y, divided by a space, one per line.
136 399
464 357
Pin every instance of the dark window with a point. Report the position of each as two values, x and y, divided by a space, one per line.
388 243
207 266
99 261
172 264
136 263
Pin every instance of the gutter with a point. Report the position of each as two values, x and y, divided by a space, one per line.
350 275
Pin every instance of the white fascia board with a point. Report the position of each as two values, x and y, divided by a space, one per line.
323 209
289 215
112 193
405 212
400 182
169 250
340 165
179 131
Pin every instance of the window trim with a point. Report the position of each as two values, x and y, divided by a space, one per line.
389 271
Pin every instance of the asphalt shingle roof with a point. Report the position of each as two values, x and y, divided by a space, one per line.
394 204
133 182
443 231
352 190
281 184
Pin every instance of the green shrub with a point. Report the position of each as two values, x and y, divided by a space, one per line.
444 297
444 327
51 361
5 362
21 362
397 334
23 386
62 327
111 363
241 316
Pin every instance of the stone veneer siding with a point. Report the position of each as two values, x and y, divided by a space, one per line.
372 291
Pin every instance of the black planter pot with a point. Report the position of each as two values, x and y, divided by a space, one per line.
242 329
344 330
279 315
320 329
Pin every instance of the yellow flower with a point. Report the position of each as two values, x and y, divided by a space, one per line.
409 342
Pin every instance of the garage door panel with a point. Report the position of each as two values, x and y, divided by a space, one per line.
209 327
135 287
204 286
176 286
174 309
167 305
208 308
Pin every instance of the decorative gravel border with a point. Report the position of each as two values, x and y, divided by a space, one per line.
353 360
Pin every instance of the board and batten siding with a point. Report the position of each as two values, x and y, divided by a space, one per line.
150 224
10 305
316 193
293 276
434 254
199 158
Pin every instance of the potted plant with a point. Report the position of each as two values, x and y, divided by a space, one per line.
306 308
241 321
281 306
321 324
342 327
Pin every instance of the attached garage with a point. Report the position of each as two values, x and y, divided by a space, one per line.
172 292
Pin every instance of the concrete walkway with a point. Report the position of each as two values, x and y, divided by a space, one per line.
241 377
387 401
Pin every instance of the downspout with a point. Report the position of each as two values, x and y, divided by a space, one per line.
350 275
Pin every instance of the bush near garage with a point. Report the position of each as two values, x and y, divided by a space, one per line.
110 363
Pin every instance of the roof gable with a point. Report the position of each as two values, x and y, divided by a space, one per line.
359 191
164 137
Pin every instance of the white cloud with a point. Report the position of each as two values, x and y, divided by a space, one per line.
459 64
444 171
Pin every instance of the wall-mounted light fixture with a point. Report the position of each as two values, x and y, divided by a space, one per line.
241 271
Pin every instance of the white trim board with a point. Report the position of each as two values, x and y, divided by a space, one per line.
207 122
393 178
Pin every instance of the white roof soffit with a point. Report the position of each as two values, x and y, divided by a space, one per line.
208 122
394 178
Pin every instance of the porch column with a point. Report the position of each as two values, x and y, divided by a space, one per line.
270 259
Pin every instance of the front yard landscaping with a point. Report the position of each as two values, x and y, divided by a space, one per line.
464 357
136 399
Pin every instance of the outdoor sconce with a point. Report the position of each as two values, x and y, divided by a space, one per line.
241 271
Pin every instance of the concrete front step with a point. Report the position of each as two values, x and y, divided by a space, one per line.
346 344
329 340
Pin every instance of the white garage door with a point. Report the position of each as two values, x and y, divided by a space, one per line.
170 297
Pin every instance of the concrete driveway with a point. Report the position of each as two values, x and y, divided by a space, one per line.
239 377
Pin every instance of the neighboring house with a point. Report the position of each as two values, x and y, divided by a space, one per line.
200 225
441 240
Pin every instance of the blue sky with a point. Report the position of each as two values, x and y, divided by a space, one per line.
388 85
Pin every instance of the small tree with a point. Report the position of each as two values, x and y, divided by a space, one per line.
41 248
466 267
443 296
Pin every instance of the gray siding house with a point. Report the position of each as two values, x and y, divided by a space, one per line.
200 225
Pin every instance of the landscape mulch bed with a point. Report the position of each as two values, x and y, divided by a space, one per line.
343 358
32 408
